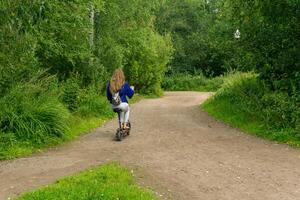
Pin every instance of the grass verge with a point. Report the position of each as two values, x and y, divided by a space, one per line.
244 103
78 126
108 182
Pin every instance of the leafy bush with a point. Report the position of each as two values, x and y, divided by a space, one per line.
7 139
32 116
28 112
17 57
187 82
92 104
244 101
281 110
70 95
147 61
87 102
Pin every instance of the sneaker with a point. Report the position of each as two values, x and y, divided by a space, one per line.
126 126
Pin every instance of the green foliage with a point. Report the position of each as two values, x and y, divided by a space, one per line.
51 35
189 23
79 43
62 33
91 104
13 69
108 182
203 37
87 102
245 102
281 110
89 38
187 82
270 38
28 112
125 37
147 59
71 91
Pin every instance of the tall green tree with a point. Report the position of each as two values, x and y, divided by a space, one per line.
125 37
189 23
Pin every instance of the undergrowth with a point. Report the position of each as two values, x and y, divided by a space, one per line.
187 82
246 103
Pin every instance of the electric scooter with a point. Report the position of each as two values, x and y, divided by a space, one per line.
121 132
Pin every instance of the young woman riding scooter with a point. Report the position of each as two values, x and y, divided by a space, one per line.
116 93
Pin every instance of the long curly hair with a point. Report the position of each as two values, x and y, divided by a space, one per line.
117 80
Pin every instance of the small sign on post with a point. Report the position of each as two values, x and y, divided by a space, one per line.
237 34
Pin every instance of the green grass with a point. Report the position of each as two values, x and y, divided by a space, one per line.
244 103
108 182
78 126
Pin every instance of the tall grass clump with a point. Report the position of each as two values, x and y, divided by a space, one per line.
70 93
92 104
84 101
245 102
31 116
31 113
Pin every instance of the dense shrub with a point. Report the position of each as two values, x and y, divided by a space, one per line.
281 110
187 82
90 103
277 109
70 95
245 100
147 60
29 113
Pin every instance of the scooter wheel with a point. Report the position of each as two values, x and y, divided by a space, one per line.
128 131
119 135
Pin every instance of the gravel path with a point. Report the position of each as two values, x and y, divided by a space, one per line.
177 150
